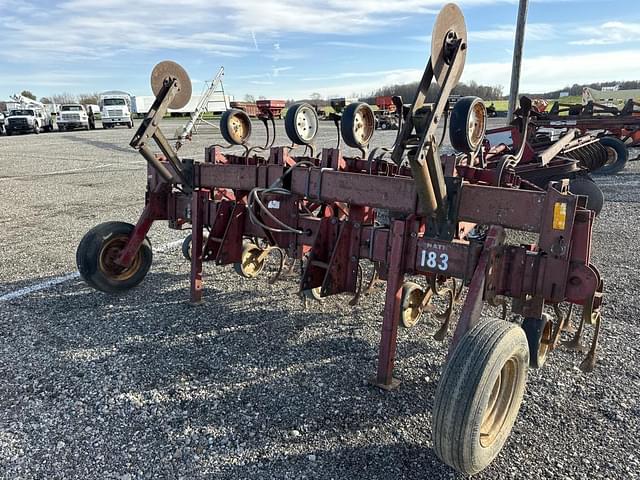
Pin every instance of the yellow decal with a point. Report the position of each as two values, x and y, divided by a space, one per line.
559 215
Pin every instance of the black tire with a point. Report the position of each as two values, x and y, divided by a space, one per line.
9 133
538 332
186 247
618 156
96 251
489 364
357 124
235 126
301 133
130 124
585 186
36 129
467 111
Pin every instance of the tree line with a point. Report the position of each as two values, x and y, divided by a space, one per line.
576 90
62 98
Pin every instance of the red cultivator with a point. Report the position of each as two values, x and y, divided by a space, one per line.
407 210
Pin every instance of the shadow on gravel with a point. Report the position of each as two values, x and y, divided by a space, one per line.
99 144
240 373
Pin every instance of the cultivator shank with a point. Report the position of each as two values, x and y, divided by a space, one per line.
405 209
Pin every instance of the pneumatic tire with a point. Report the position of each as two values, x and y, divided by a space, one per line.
617 154
479 395
100 247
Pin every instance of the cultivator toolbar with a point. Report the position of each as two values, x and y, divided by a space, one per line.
405 209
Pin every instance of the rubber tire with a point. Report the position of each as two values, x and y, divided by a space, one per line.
8 133
290 123
585 186
464 389
346 124
88 254
36 130
622 152
458 131
533 329
186 247
130 124
224 125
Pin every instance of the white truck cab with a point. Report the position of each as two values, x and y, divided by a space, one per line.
29 119
72 116
115 109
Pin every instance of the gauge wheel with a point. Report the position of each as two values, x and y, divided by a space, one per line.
617 156
479 395
98 251
301 123
468 124
313 294
539 333
187 245
252 261
357 124
235 126
410 304
585 185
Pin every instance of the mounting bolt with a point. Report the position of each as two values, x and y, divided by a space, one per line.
414 234
354 258
334 221
356 225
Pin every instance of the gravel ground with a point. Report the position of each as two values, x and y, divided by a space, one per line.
252 384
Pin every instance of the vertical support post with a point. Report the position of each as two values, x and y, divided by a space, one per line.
387 351
198 215
472 308
517 58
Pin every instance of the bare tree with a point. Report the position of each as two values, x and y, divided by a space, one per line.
45 100
64 98
88 98
249 98
315 96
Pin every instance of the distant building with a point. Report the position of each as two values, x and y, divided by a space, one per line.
564 94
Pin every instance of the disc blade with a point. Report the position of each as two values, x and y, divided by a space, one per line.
169 70
450 19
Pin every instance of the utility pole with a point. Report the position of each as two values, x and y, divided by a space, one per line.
517 58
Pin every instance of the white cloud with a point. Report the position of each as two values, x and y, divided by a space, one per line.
550 72
533 31
609 33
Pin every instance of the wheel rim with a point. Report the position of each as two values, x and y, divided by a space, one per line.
411 309
109 254
545 342
238 128
251 263
612 156
363 125
500 403
476 125
306 124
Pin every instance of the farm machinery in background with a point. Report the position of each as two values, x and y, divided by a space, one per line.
617 128
429 224
387 115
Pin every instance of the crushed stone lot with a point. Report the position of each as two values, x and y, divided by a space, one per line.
251 384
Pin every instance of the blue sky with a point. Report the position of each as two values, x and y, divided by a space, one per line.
292 48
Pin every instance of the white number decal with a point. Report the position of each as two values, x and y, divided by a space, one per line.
432 260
